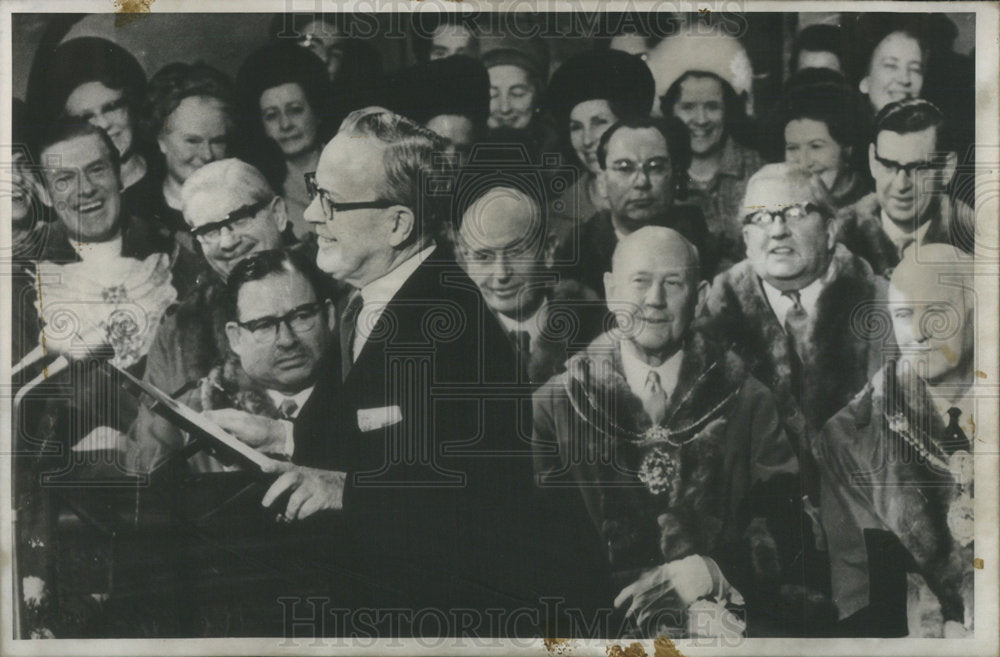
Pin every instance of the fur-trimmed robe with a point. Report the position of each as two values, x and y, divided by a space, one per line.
731 497
846 338
860 229
876 490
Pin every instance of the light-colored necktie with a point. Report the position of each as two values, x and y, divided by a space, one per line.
796 326
654 398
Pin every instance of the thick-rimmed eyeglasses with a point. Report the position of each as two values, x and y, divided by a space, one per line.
301 319
238 218
911 168
330 206
791 214
657 167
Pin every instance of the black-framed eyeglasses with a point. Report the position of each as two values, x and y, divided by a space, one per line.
910 168
790 214
238 218
330 206
657 167
301 319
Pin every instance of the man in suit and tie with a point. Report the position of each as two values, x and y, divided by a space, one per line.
410 442
801 310
506 248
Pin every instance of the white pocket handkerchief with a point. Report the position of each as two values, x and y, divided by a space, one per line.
370 419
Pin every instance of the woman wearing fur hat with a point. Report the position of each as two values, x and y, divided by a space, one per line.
588 94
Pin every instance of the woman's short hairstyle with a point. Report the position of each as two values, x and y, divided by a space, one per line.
177 81
737 124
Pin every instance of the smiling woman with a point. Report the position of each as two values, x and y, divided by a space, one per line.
285 100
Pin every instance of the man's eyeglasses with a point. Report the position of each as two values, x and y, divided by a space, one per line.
330 206
657 167
211 232
910 168
298 320
791 214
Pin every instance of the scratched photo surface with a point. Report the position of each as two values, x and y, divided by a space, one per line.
457 330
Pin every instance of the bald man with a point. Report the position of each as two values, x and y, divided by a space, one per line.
796 308
896 464
672 455
507 250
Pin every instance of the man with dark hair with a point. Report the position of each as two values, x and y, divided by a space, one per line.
396 461
912 160
817 46
232 212
450 96
280 332
437 36
641 161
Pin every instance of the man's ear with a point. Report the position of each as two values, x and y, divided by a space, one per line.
161 143
233 335
948 172
331 315
609 285
864 85
702 297
602 184
405 224
871 155
279 212
549 249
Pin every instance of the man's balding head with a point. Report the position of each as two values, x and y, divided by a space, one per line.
505 248
931 300
653 289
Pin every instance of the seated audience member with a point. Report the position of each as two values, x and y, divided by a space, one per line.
286 106
191 118
640 161
912 160
505 247
450 96
232 212
895 68
721 159
896 465
439 36
677 456
817 46
518 70
588 94
29 229
104 280
280 332
789 308
818 118
94 80
320 34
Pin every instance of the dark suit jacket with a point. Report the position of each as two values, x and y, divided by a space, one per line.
438 506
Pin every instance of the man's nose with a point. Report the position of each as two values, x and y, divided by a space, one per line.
778 227
504 104
204 152
313 212
286 336
502 268
700 115
641 178
227 238
655 296
100 120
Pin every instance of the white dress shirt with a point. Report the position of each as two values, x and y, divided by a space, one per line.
377 294
300 399
903 238
532 325
637 371
98 253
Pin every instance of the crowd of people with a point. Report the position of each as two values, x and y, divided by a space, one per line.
719 385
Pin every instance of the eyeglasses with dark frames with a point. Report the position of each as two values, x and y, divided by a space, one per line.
330 206
910 168
298 320
238 218
791 214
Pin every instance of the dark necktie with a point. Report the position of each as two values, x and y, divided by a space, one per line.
954 438
288 408
796 323
348 327
521 341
